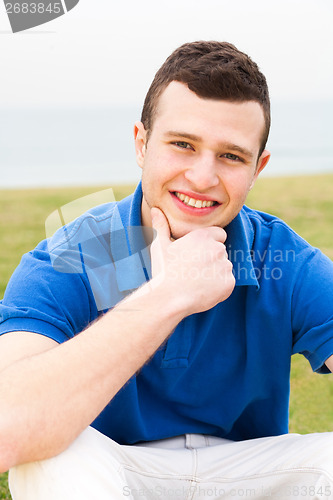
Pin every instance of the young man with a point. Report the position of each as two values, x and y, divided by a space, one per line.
178 356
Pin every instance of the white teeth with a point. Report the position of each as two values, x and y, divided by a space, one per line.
193 202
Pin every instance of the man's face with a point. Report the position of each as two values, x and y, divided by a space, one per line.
201 159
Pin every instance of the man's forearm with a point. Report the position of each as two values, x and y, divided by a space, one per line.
48 399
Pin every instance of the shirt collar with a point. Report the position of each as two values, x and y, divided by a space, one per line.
130 251
239 245
129 248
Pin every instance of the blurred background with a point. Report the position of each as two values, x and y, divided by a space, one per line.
71 89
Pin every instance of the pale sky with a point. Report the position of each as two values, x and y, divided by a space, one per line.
104 52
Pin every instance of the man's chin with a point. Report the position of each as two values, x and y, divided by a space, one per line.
178 231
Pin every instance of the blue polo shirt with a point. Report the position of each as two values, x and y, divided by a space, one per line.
223 372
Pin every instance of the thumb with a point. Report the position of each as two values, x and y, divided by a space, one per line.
161 225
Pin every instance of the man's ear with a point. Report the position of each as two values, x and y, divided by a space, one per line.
140 136
262 162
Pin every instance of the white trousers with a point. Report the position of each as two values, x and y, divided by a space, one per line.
191 467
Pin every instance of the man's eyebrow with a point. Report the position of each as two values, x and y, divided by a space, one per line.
221 145
186 135
240 149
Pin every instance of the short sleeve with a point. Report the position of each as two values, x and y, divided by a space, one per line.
42 300
312 310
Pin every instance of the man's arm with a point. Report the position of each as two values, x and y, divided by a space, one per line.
47 399
329 363
50 393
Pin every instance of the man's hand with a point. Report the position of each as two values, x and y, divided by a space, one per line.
195 267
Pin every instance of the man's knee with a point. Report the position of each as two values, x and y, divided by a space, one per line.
88 467
37 480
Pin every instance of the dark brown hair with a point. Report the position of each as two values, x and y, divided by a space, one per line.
213 70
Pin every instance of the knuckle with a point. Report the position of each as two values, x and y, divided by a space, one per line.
232 282
229 264
222 252
224 234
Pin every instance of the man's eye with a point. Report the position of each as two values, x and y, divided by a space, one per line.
183 145
230 156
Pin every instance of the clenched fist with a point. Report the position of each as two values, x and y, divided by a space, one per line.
195 267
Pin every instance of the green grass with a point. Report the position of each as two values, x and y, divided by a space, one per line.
4 491
305 203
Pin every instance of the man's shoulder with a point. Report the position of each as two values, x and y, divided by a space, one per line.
85 242
264 223
93 223
263 218
277 241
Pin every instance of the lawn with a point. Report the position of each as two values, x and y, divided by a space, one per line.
306 203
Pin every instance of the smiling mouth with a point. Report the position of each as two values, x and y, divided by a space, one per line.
193 202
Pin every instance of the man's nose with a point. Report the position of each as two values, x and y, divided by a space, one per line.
203 172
